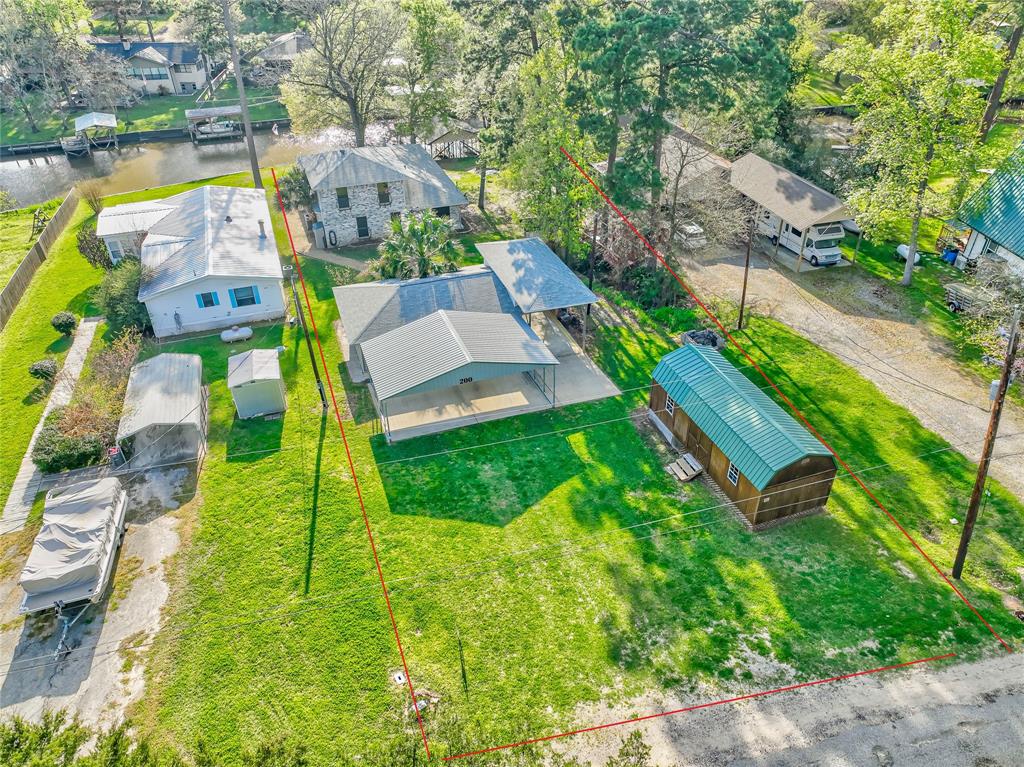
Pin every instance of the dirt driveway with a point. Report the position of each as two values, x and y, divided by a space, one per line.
968 715
860 322
102 675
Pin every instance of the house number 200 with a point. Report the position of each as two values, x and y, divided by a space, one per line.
466 380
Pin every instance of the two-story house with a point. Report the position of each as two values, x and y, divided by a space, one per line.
357 192
156 68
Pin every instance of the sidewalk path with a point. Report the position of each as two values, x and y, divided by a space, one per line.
28 482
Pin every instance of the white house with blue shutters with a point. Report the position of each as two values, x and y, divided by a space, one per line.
209 259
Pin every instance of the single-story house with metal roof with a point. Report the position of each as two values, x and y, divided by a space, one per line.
453 348
283 49
792 211
408 337
995 214
358 191
175 67
164 415
759 456
209 257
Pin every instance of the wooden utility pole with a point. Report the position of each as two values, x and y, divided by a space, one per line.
746 268
242 101
305 332
986 452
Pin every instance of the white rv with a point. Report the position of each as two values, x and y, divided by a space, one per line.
819 243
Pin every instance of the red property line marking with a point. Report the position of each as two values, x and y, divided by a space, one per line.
699 706
785 399
352 470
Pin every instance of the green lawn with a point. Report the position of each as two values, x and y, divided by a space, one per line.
818 89
151 113
64 281
567 566
16 236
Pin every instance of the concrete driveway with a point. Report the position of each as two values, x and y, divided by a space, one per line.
103 673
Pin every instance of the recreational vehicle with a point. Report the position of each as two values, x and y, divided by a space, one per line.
819 243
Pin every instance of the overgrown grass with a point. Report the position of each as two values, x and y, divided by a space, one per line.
562 567
16 236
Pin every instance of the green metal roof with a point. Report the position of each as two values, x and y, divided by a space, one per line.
997 208
757 435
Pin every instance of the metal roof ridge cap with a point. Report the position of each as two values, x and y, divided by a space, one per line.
455 335
735 387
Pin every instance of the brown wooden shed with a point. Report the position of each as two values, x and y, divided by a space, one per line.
761 458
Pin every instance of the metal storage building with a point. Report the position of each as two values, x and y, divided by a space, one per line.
254 378
164 417
761 458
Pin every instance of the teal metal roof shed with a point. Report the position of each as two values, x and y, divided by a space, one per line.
753 432
997 208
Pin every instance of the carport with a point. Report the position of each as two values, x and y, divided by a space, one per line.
448 365
536 279
164 416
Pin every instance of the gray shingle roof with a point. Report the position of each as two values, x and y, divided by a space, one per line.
757 435
176 53
535 278
445 341
164 390
784 193
426 184
208 231
369 309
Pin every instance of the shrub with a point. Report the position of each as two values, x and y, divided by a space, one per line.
118 297
44 370
90 192
7 200
94 249
64 323
295 191
56 451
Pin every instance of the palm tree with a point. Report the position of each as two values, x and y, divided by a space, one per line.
418 247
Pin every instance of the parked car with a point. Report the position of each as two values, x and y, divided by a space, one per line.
902 251
691 235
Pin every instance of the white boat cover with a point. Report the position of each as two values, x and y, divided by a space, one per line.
79 534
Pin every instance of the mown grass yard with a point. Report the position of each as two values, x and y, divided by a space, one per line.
550 556
151 113
16 236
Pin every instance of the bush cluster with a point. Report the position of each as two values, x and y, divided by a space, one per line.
55 451
44 370
64 323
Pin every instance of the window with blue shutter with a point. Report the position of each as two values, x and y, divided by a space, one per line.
247 296
206 300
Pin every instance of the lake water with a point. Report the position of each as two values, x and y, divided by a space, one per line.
139 166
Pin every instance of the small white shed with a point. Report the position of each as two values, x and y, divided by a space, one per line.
254 378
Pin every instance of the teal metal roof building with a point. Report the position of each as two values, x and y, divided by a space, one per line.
996 209
765 461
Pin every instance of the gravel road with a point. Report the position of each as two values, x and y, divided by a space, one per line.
968 715
861 322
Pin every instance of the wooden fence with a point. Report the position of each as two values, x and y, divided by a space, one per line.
19 282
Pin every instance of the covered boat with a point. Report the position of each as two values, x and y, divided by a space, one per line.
73 555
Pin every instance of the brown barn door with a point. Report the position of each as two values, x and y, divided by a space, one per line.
699 443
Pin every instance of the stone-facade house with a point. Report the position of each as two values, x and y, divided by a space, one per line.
358 191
